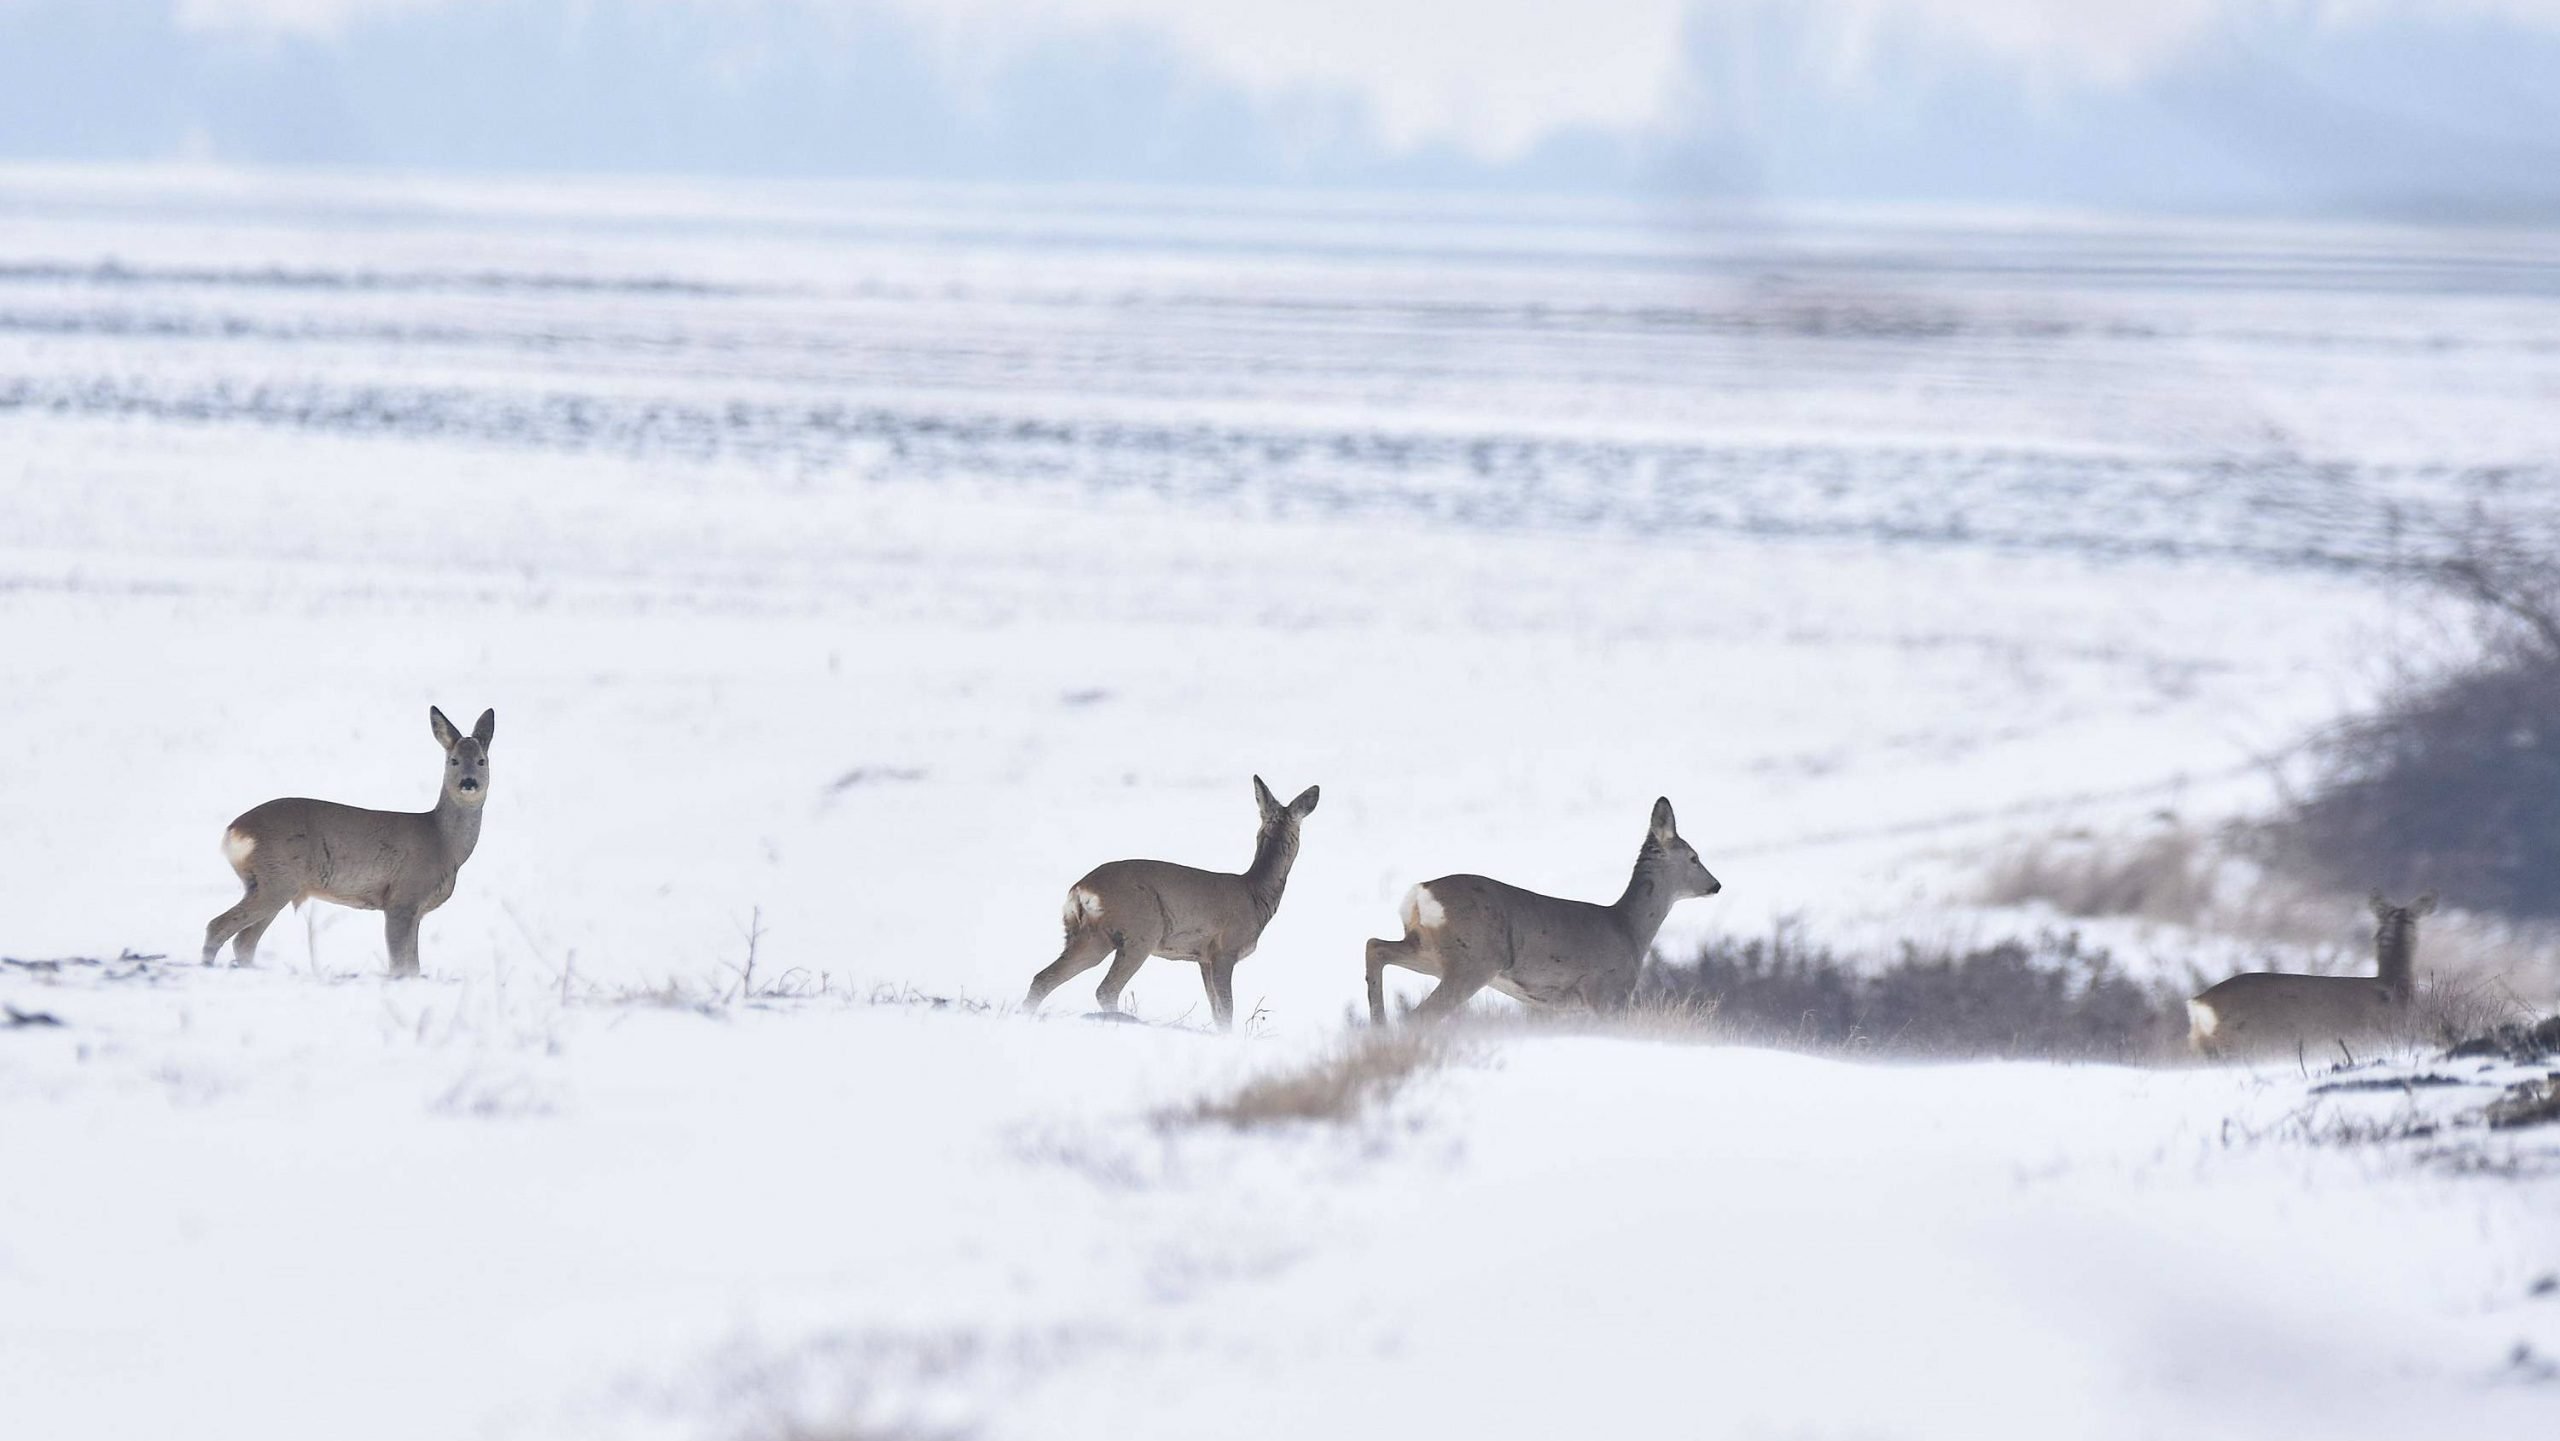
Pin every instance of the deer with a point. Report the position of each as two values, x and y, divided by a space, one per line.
2272 1011
401 863
1132 910
1470 932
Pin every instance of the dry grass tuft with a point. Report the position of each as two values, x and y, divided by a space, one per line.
1338 1086
2222 882
1653 1015
2169 875
2448 1010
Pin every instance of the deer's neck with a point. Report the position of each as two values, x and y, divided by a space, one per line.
1273 854
458 826
1647 899
2395 946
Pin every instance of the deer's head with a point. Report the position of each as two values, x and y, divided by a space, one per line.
2401 919
466 758
1277 819
1676 859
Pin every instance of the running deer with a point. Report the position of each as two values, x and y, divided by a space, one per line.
401 863
1155 908
1470 932
2272 1012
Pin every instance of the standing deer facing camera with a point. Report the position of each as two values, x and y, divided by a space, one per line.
2273 1012
1471 932
1130 910
401 863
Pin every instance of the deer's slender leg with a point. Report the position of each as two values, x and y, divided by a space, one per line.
1382 954
400 928
1218 975
244 947
1453 991
1135 945
1084 951
223 927
1124 969
243 924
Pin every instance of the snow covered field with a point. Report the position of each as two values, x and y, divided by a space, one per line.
855 567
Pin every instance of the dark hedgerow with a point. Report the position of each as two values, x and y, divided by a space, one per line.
2453 786
2453 783
2048 996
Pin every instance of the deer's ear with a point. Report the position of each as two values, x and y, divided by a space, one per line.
487 728
1305 805
1664 826
1262 797
2423 905
2381 907
446 735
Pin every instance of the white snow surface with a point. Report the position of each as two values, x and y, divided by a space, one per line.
852 568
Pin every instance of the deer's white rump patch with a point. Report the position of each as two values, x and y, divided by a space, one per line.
1422 910
1083 908
237 846
2201 1020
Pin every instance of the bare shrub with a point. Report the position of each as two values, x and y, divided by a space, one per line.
1339 1085
2046 996
2453 782
2454 785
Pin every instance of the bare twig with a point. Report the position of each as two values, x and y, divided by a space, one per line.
755 940
2486 582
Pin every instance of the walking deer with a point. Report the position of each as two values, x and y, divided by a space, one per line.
2273 1012
1470 932
1130 910
401 863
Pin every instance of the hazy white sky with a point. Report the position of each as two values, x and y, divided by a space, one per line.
1492 76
